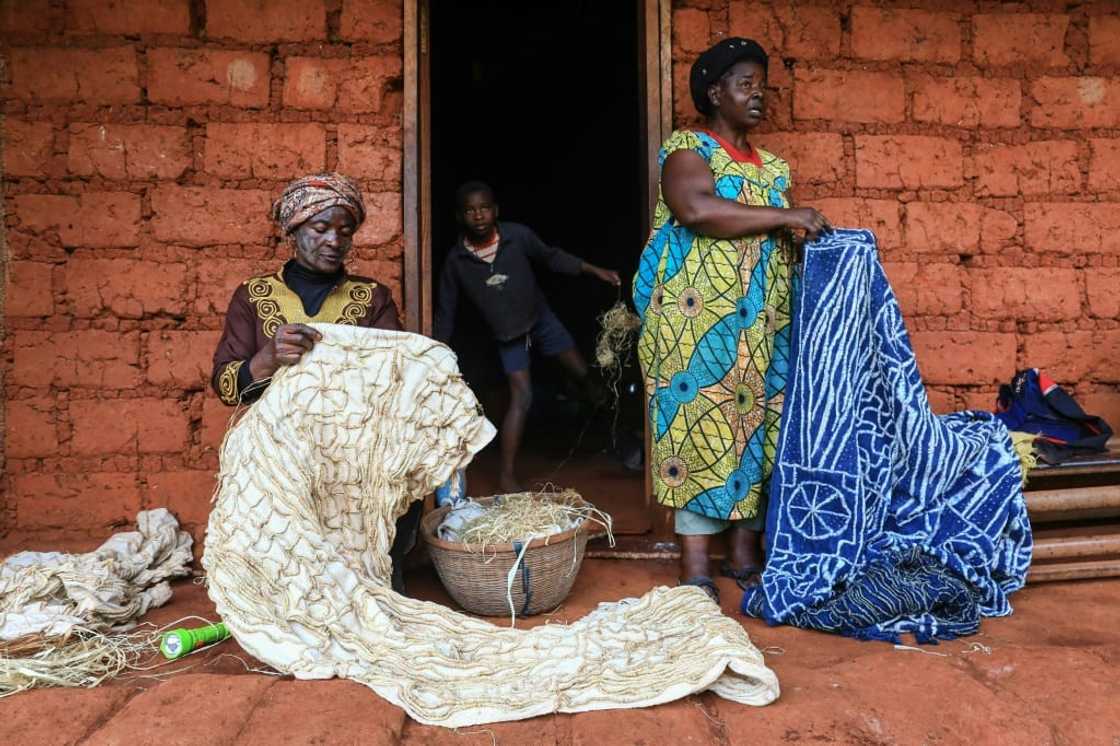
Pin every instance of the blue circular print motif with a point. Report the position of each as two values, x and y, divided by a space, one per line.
683 387
747 310
737 486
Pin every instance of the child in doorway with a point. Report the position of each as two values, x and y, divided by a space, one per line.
490 264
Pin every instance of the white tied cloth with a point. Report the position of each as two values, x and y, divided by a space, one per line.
105 590
313 478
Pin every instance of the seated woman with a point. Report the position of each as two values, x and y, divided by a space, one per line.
266 324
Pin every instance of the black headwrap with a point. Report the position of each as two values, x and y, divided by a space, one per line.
717 60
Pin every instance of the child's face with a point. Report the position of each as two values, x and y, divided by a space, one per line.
477 214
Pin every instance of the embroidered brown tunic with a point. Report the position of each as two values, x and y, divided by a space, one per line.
262 304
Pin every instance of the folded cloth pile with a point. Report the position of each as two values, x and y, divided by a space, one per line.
106 590
313 478
884 518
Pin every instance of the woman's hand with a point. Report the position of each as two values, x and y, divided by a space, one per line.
608 276
286 347
808 220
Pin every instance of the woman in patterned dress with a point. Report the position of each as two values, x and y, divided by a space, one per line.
713 288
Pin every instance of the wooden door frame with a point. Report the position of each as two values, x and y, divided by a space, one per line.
655 68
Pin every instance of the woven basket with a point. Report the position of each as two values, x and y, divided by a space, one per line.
476 576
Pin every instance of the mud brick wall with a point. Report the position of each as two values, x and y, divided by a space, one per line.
143 143
981 141
143 140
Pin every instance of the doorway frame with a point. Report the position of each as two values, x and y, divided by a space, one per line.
655 69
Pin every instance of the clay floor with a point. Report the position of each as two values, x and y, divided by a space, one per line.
1046 675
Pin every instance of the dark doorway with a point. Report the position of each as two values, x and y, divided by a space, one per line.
543 100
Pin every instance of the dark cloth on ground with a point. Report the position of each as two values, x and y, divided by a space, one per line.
505 290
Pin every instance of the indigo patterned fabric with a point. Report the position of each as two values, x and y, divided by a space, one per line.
714 344
884 518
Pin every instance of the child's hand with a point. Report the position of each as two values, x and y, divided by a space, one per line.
608 276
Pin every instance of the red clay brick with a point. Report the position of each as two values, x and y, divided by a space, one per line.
1020 39
215 421
1074 357
1073 227
926 289
183 77
1103 286
1104 40
74 501
198 216
27 147
1048 167
348 84
185 493
103 426
968 102
29 290
129 16
848 96
1025 293
907 162
691 30
814 157
878 215
29 429
957 228
101 76
369 152
372 21
983 400
128 289
129 151
265 151
93 219
181 359
1104 167
266 21
942 402
1076 103
1102 403
25 16
91 358
383 219
788 29
218 280
911 35
965 358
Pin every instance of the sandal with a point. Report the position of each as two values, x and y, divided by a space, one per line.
706 584
745 577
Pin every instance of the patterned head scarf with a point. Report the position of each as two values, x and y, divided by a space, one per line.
310 195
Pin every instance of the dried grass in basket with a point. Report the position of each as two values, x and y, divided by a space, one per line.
494 575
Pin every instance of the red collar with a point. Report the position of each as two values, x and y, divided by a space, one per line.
750 156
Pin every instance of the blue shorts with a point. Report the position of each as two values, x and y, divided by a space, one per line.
548 335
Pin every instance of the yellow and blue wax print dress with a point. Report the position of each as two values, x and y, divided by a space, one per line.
715 341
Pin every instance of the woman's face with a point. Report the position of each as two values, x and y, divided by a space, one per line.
323 241
740 95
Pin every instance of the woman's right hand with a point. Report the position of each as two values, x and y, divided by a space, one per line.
286 347
808 220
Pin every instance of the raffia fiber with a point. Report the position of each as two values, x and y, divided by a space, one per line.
312 480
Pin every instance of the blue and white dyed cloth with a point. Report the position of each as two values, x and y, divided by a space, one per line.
884 518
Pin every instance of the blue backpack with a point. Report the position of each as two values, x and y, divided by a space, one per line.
1034 403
